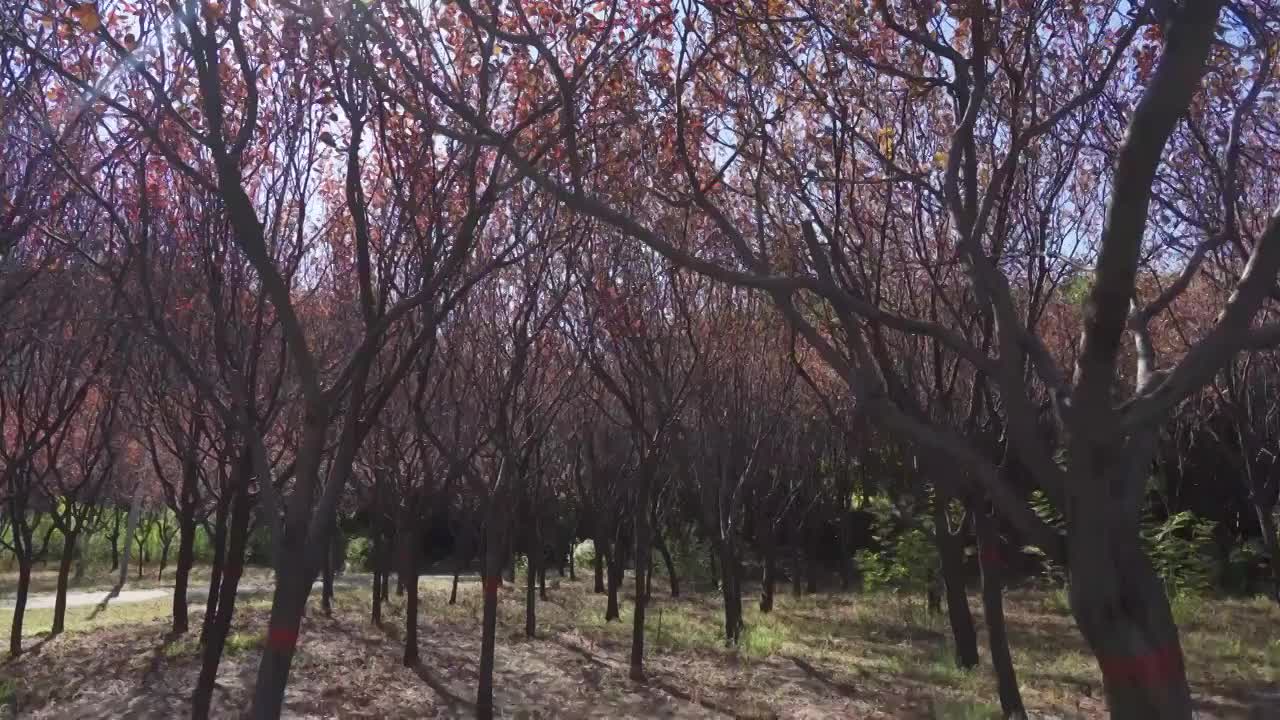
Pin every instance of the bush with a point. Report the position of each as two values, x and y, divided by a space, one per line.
359 553
584 554
1181 549
692 559
906 558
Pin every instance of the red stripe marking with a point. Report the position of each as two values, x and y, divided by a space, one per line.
282 639
990 556
492 583
1155 668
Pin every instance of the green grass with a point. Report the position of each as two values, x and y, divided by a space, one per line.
81 619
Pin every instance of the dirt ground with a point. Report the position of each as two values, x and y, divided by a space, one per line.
827 656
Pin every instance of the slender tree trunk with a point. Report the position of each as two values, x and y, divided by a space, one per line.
1272 543
615 576
597 563
731 590
216 639
530 598
19 604
410 572
64 574
542 583
131 527
326 585
797 564
573 561
221 515
643 562
952 559
114 537
991 560
769 570
182 573
667 561
491 572
375 612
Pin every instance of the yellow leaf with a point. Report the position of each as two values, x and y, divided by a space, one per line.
940 159
87 15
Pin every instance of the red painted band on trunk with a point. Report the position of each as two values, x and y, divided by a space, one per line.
1158 667
990 556
236 570
492 583
282 639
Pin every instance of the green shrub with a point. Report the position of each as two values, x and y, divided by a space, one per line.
692 559
359 553
907 558
584 554
1181 549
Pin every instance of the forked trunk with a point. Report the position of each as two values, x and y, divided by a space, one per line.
215 570
228 583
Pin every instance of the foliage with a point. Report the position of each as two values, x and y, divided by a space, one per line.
359 553
691 556
1181 549
906 558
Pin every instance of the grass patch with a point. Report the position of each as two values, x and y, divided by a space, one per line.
241 642
83 618
964 710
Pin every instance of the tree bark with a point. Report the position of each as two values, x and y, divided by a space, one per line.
217 631
991 561
769 571
216 569
667 562
491 573
952 559
19 606
64 574
730 590
182 573
409 571
597 562
643 561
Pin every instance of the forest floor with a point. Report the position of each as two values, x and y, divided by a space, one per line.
820 656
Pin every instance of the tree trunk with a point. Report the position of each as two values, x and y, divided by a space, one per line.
665 552
216 632
991 560
952 559
731 590
19 605
1272 543
769 571
597 562
1120 605
64 574
573 561
114 537
326 585
542 583
131 527
530 599
615 575
797 563
182 573
216 570
375 559
491 572
410 572
643 561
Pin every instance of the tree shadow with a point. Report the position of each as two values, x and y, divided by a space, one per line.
111 594
842 688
